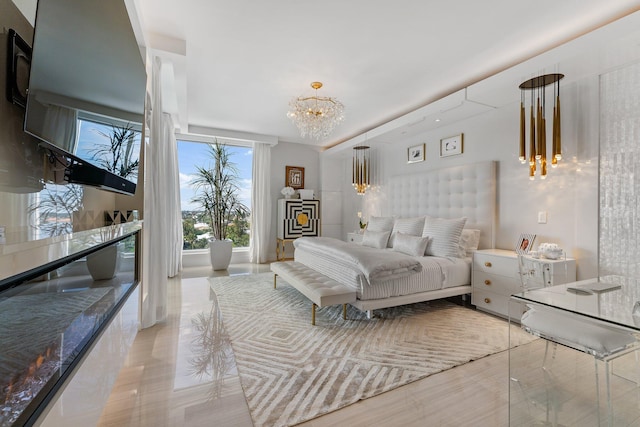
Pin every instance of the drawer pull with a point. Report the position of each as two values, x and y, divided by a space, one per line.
487 282
487 300
487 264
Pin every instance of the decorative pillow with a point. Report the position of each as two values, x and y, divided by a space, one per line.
380 223
445 236
469 240
375 239
411 226
410 245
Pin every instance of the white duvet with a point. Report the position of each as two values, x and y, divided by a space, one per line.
376 265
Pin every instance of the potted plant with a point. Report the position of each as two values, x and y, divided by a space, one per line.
217 193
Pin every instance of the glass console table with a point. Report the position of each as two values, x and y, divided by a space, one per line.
584 371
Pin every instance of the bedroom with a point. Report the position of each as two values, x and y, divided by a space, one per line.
565 196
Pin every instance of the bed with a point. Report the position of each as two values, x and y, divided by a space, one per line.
443 199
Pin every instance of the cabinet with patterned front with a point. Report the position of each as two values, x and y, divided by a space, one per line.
298 218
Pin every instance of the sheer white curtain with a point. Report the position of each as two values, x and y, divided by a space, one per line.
61 125
260 203
162 242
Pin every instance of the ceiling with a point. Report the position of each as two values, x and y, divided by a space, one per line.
236 64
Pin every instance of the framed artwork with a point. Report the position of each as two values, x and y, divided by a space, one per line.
295 177
525 243
451 146
415 153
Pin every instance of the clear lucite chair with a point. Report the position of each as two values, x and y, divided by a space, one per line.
602 341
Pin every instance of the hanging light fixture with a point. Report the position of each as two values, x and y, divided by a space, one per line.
538 125
361 169
315 115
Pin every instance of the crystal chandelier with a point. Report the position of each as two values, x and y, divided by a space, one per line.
538 125
361 169
315 116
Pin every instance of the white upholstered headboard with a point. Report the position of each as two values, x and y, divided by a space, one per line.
453 192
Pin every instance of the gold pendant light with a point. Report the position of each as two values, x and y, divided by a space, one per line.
538 124
361 169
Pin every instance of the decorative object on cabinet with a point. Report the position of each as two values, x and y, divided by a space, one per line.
361 169
287 192
550 250
525 243
495 276
361 223
415 153
306 194
294 177
315 115
538 124
296 218
451 146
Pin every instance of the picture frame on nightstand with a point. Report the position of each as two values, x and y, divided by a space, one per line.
525 243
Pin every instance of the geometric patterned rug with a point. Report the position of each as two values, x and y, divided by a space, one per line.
292 371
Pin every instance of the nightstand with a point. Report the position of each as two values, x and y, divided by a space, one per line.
354 238
495 277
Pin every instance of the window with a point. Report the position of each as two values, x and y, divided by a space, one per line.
195 223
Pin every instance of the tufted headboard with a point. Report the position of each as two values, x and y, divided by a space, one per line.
465 190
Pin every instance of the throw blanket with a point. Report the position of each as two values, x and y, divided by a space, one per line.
376 264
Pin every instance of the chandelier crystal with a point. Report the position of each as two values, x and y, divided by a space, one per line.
316 116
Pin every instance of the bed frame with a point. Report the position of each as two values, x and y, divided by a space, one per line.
466 190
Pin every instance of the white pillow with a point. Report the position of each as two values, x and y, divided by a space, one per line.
410 245
411 226
445 236
469 241
375 239
380 223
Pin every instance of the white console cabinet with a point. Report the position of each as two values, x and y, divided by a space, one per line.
495 276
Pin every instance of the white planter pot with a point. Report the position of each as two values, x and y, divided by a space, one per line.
103 264
220 252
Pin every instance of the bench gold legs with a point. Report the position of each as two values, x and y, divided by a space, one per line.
313 306
313 314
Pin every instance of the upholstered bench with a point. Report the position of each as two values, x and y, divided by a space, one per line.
320 289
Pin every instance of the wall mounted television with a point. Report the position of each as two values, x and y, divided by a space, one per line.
87 87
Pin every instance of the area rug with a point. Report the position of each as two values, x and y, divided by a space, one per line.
292 371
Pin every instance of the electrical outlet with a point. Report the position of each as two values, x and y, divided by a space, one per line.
542 217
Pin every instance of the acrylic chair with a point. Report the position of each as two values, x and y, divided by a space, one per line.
604 342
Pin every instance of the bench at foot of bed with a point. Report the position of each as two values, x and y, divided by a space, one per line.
320 289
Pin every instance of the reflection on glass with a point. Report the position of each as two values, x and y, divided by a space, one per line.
211 347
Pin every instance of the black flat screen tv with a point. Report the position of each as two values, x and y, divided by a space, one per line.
87 88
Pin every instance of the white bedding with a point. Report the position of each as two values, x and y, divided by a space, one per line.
437 273
374 264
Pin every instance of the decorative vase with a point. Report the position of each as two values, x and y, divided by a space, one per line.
220 252
103 264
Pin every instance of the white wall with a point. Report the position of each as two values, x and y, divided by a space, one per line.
569 195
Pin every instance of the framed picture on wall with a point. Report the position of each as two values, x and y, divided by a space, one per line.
294 177
415 153
451 146
525 243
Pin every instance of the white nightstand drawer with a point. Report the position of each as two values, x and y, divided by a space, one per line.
502 285
495 264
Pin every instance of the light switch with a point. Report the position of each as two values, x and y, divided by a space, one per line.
542 217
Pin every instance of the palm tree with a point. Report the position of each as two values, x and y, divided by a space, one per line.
217 191
117 156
